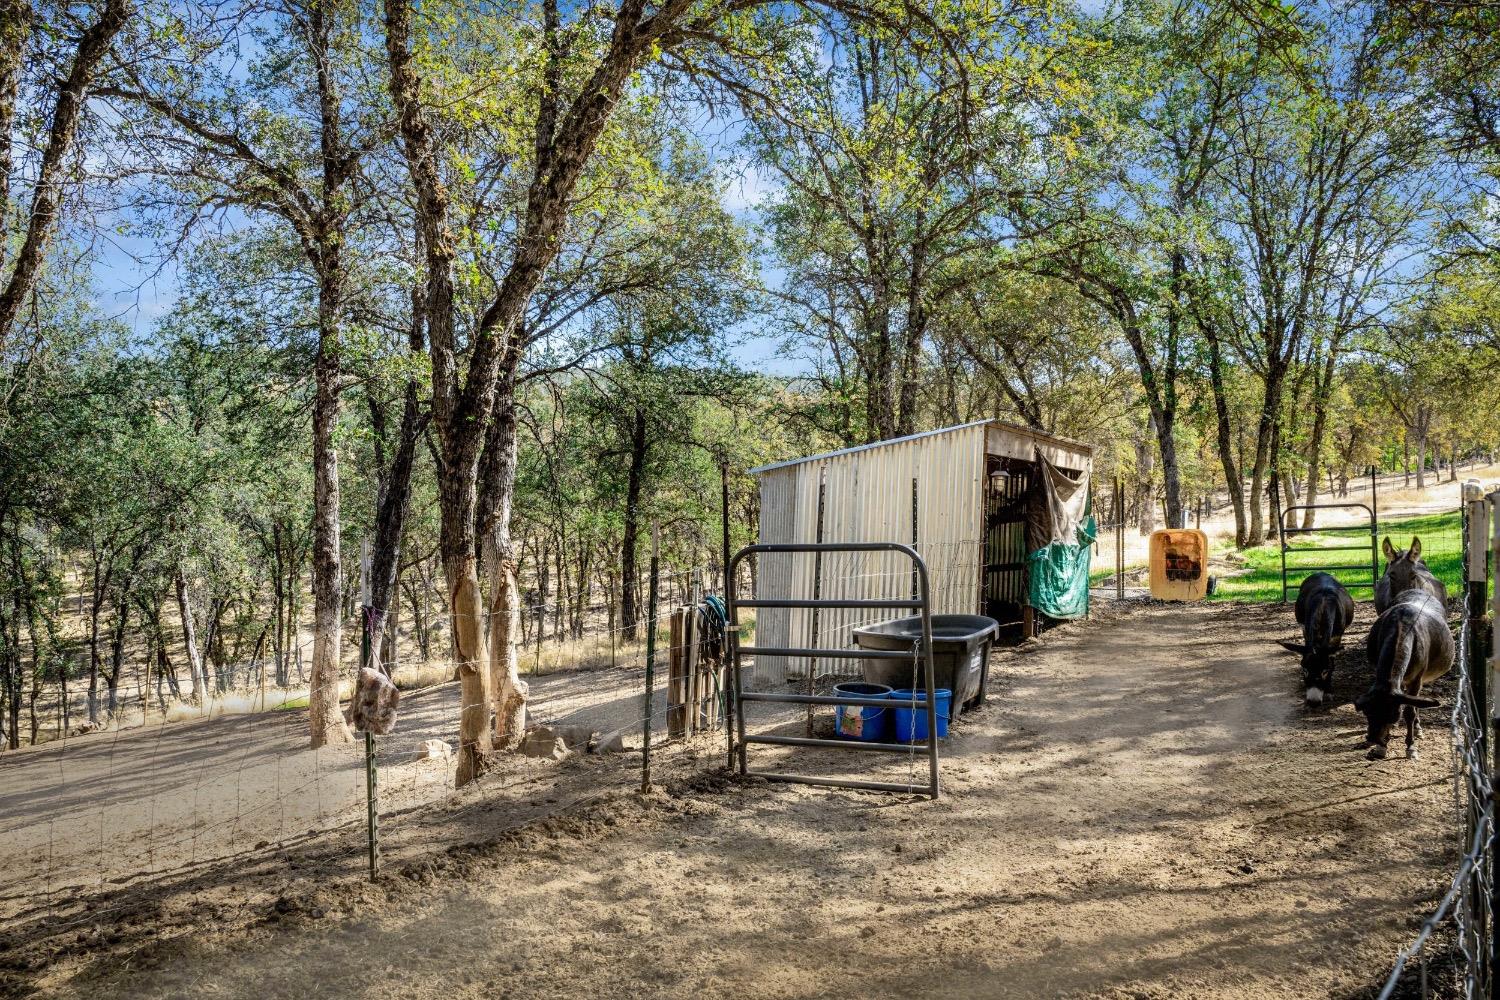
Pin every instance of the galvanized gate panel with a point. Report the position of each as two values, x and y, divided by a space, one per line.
740 739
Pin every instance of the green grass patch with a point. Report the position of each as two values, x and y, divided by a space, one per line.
291 704
1442 549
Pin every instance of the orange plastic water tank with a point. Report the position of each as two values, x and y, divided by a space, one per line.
1179 564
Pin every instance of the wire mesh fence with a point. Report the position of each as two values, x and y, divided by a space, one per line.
165 789
1454 952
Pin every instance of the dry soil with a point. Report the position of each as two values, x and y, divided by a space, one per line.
1143 809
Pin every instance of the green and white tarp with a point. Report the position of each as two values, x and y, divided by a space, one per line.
1060 534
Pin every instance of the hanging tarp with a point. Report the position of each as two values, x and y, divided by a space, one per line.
1060 534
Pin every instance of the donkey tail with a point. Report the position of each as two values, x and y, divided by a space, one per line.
1401 655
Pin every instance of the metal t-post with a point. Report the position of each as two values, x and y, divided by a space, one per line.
372 803
650 665
372 791
724 521
1494 747
1476 571
1477 579
1119 540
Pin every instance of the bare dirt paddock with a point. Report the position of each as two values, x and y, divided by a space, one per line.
1144 809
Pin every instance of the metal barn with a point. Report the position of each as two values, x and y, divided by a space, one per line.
960 495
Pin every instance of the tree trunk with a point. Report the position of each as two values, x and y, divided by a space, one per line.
36 691
166 670
196 670
1233 483
1321 388
37 663
10 683
463 405
93 46
629 544
1279 481
1143 478
395 503
325 720
499 468
1421 442
15 36
1265 437
466 611
324 251
913 337
281 631
390 650
117 654
96 607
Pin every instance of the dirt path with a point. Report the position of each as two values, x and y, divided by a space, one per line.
1143 810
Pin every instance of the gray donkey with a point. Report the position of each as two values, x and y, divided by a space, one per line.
1409 646
1406 571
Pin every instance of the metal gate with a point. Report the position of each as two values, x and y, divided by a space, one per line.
739 742
1007 489
1287 548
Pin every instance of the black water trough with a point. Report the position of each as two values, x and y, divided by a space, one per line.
960 654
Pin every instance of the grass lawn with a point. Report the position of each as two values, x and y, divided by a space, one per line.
1442 548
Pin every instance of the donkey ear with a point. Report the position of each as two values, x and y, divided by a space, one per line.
1416 548
1294 647
1417 702
1389 550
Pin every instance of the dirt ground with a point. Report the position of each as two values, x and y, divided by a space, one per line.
1144 809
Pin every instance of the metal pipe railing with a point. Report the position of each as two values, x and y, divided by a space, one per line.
739 741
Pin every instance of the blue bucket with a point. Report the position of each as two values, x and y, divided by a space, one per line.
911 723
865 723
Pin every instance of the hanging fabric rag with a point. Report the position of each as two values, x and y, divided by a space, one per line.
1060 533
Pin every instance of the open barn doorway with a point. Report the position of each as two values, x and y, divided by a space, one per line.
1008 485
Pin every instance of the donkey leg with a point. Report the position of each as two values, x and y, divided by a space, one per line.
1409 714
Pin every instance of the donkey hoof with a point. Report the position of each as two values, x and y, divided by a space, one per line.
1376 753
1411 753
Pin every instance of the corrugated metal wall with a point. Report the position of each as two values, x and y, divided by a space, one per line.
778 523
868 495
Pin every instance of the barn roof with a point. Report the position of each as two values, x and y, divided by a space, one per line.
994 425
